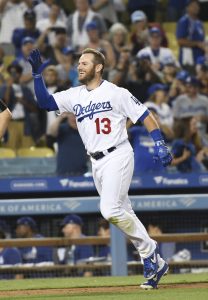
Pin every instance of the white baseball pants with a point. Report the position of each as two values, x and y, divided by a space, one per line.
112 176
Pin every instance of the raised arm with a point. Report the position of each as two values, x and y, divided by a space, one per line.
45 100
5 117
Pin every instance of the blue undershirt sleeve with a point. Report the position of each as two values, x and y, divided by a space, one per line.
45 100
145 114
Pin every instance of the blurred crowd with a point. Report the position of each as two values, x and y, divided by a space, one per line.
72 226
138 57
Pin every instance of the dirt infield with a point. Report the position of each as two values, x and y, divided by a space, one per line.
106 290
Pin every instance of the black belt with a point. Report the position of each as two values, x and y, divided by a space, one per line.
99 155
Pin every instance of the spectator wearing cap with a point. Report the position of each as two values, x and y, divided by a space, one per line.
178 86
71 155
141 76
71 227
158 104
22 104
96 42
118 37
49 25
190 35
29 30
169 70
67 70
77 21
192 104
8 256
26 227
11 12
54 52
156 52
28 43
140 33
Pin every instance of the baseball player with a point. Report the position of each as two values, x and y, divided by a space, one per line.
5 116
101 110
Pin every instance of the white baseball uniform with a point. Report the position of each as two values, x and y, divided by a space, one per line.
101 116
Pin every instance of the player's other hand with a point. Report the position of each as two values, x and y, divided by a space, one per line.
162 153
36 62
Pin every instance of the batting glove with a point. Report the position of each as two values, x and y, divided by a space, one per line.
36 62
162 153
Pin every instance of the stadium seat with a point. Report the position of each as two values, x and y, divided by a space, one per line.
35 152
170 30
7 153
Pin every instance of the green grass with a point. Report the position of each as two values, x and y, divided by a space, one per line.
64 283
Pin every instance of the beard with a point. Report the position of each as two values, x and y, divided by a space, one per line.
88 77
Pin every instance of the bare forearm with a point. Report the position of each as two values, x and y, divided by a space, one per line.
54 128
5 117
150 123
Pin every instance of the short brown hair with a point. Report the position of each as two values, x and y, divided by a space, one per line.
99 58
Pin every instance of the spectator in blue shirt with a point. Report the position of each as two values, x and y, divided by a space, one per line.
143 151
190 35
27 228
71 227
8 256
29 30
71 155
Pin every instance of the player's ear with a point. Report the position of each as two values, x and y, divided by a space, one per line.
98 68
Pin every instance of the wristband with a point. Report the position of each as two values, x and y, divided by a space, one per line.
2 106
156 135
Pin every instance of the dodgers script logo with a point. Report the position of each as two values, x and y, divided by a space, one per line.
90 110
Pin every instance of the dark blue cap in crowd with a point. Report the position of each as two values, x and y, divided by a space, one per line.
27 221
156 87
91 25
30 14
192 80
182 75
155 30
68 50
72 219
27 40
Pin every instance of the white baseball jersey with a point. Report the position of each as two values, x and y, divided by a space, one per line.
101 113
